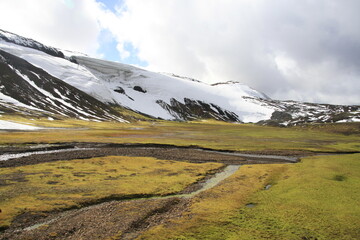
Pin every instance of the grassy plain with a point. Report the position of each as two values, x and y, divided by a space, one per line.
315 199
210 134
66 184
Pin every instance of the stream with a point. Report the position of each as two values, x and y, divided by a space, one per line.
212 182
208 184
286 158
105 207
8 156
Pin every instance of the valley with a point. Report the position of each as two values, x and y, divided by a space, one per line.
42 81
125 181
94 149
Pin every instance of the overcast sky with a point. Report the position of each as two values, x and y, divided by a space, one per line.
306 50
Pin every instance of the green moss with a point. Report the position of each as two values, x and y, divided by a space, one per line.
210 134
307 203
339 178
132 115
304 203
313 199
209 216
65 184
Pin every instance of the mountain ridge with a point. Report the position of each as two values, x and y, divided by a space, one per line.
33 87
163 96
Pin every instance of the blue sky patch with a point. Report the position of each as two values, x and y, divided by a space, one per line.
109 51
108 42
133 58
112 4
108 46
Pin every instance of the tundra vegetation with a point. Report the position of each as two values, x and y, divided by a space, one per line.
68 184
210 134
307 200
316 198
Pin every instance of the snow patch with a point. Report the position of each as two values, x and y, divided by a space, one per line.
7 125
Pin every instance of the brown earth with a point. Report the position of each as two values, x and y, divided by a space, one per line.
110 220
160 152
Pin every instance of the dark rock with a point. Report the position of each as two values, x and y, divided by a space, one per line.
120 90
30 43
281 116
270 123
340 116
16 75
195 109
139 89
73 60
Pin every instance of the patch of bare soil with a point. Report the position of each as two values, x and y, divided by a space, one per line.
110 220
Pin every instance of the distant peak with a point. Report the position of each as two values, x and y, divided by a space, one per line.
30 43
226 83
182 77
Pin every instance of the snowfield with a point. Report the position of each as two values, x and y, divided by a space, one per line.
7 125
162 87
160 95
100 79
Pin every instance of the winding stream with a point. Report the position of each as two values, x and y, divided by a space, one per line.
7 156
208 184
212 182
286 158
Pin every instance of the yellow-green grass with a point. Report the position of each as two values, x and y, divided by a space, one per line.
61 122
341 128
66 184
209 216
315 199
211 134
132 116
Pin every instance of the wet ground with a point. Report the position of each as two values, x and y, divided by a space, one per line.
71 151
109 220
116 219
124 219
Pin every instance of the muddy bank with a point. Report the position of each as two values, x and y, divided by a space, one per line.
31 147
125 220
165 152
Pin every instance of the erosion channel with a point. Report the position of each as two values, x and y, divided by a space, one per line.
126 218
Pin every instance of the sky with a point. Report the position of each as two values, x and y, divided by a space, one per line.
306 50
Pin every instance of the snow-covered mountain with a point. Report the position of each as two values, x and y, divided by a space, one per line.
35 77
29 89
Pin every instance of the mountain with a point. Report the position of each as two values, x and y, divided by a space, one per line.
31 88
42 80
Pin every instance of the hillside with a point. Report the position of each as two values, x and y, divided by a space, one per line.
38 79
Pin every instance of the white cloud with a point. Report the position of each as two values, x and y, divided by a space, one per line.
67 24
289 49
243 39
